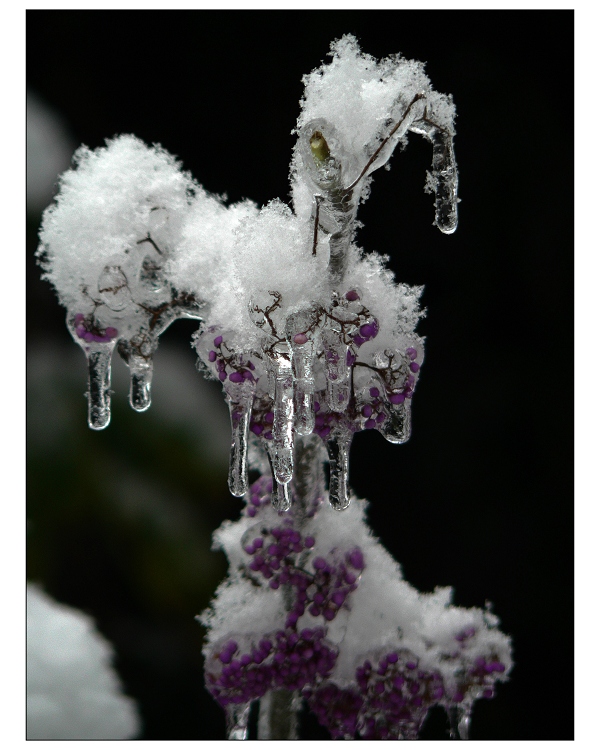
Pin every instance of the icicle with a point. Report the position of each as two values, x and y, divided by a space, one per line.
446 177
397 427
137 355
98 359
338 448
298 335
338 371
281 498
459 717
239 411
140 380
281 448
237 716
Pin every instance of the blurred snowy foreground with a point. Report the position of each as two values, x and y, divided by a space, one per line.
73 692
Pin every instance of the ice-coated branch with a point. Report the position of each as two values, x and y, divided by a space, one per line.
312 340
132 243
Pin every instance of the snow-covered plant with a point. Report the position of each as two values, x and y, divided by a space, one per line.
313 341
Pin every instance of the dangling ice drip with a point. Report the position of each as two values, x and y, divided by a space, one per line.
400 372
238 374
281 448
300 332
335 353
138 350
338 449
98 344
443 179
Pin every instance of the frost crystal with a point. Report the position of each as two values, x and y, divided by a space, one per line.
312 340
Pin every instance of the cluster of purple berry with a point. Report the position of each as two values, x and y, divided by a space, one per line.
284 659
397 696
86 330
373 410
479 679
226 363
390 700
336 709
274 555
260 495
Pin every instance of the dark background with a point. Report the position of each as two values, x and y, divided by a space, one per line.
481 496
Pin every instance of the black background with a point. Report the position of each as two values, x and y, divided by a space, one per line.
481 497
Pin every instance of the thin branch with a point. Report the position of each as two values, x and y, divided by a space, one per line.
318 199
351 187
151 241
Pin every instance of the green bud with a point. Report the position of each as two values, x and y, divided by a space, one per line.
319 148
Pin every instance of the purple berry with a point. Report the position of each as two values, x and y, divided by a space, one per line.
356 559
352 295
414 367
300 338
397 398
218 341
212 356
236 377
411 352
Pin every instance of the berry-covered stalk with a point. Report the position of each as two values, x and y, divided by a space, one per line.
317 612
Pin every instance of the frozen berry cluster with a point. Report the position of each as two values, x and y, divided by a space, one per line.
89 332
274 555
284 659
397 696
479 680
337 709
229 365
390 700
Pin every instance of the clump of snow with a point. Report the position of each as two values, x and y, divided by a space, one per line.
73 691
108 204
204 264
